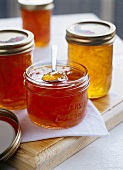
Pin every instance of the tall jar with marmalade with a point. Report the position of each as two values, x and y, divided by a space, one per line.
16 47
91 43
36 16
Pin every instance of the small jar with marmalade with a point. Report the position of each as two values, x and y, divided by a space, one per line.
16 47
36 16
91 43
60 104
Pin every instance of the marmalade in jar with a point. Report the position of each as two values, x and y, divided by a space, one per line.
91 44
15 56
60 104
36 15
98 60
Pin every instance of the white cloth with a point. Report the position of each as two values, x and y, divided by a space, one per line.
92 125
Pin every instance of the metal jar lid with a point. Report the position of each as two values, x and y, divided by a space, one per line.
36 4
91 33
10 134
14 41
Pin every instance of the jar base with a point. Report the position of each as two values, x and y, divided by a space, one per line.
54 126
96 95
14 105
41 44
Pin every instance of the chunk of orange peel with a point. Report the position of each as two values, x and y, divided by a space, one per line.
54 76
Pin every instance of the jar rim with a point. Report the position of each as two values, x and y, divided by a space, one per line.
82 80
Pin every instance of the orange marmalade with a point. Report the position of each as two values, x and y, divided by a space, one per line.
60 104
36 15
91 44
15 56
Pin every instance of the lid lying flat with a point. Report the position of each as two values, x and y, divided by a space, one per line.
91 33
14 41
10 134
36 4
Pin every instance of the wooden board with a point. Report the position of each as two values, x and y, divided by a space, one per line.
47 154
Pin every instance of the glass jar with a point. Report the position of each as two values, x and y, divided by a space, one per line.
91 43
36 15
60 104
15 56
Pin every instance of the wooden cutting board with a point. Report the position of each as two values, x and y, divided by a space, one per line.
47 154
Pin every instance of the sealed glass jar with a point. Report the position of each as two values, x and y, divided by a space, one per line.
58 104
15 56
91 44
36 15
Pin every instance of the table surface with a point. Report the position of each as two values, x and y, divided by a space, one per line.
106 153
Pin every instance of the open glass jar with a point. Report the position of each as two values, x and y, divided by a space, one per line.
91 43
36 15
60 104
16 48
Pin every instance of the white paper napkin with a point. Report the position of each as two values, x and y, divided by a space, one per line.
92 125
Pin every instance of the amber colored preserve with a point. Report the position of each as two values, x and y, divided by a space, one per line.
98 60
57 105
38 22
91 43
36 16
12 91
16 48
